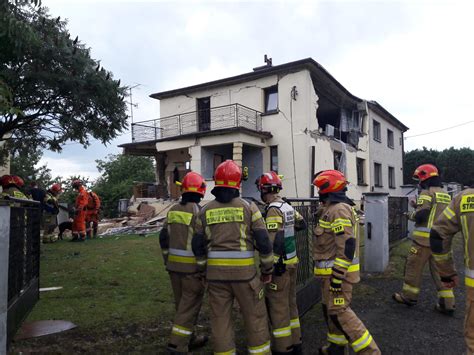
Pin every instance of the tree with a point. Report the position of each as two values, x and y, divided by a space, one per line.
25 167
51 90
118 175
455 165
69 194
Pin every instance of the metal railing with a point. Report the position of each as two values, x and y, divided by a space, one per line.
19 263
212 119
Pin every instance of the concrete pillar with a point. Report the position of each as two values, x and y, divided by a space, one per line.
195 153
376 232
160 172
237 153
4 252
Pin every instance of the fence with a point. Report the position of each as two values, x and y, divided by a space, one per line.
308 289
19 264
397 220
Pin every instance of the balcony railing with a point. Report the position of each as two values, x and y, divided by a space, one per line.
212 119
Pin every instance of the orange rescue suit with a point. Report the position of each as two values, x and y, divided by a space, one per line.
79 224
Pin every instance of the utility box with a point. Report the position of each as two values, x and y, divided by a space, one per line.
376 250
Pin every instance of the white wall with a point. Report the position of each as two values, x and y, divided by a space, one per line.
386 156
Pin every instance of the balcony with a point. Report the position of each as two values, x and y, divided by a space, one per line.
213 119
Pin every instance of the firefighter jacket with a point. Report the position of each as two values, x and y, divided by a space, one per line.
281 220
336 243
176 236
93 202
13 192
458 216
429 205
227 235
82 199
50 204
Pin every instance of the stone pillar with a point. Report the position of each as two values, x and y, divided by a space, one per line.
376 232
160 172
195 153
237 153
4 253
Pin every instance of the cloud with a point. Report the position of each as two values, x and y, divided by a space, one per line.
70 166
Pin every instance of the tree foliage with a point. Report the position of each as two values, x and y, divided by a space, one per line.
51 90
118 175
455 165
26 166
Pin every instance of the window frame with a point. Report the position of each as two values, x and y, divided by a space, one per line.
380 175
377 137
266 92
391 177
390 142
360 182
274 149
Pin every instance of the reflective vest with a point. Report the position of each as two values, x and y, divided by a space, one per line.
438 201
181 230
288 222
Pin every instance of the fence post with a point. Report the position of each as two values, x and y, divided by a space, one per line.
4 256
376 232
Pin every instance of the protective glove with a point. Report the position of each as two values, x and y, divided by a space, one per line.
450 281
336 285
266 278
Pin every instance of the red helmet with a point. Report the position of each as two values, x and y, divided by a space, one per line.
228 174
424 172
18 181
55 188
269 180
6 180
76 184
330 181
193 182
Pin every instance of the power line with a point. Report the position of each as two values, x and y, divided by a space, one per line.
441 130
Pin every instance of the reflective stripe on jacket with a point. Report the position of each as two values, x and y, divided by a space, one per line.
286 221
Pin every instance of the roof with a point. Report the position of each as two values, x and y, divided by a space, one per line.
374 105
308 63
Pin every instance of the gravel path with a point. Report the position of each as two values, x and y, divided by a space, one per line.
398 329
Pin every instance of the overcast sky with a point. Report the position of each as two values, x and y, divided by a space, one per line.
414 57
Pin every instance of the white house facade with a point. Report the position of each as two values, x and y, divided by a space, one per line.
294 118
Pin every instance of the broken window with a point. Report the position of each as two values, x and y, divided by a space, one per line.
378 174
271 99
337 160
377 131
390 138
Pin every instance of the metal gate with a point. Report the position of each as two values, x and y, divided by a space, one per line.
19 259
308 290
397 220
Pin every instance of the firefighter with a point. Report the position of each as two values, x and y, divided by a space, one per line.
92 214
336 258
282 220
430 204
11 186
79 223
50 211
457 217
186 280
229 230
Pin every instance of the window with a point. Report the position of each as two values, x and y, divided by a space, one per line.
218 158
391 177
274 158
337 160
271 99
390 138
378 174
377 133
360 171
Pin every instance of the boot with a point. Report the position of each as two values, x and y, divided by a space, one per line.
397 297
333 349
443 310
198 341
172 350
297 349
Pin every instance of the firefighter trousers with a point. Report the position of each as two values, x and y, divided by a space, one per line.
92 223
469 321
188 291
417 258
79 224
344 327
250 296
283 311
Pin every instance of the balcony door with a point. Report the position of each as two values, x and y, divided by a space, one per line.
204 113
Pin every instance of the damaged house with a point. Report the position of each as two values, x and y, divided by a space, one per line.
293 118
